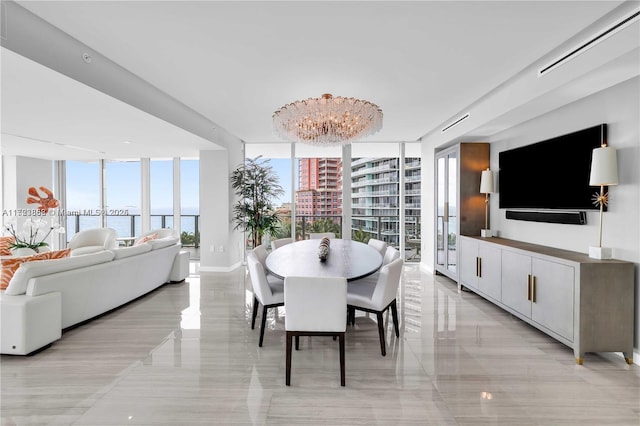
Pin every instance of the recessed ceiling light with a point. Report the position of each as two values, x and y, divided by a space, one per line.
127 142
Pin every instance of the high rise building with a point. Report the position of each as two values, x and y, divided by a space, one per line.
319 187
375 192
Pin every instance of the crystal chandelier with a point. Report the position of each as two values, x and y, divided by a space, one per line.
327 120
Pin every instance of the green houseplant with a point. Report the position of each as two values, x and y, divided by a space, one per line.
257 187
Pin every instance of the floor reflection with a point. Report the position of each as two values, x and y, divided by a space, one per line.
186 354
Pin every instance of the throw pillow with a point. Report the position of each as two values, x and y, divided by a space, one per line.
147 238
58 254
5 243
11 265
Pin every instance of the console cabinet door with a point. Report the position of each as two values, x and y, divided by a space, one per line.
516 272
468 263
490 271
553 296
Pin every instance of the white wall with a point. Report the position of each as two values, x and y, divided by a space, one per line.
619 108
20 173
221 248
427 207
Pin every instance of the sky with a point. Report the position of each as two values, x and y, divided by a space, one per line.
123 186
282 167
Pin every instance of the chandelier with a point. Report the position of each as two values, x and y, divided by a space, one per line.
327 120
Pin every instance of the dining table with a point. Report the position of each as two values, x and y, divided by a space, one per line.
347 258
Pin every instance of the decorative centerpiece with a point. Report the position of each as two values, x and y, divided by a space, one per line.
323 249
35 230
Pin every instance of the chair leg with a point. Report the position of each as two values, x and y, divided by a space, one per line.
383 348
288 362
297 343
264 324
255 312
342 369
394 313
353 316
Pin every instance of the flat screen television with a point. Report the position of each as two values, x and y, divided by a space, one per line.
552 174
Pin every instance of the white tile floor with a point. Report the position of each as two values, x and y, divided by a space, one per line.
185 354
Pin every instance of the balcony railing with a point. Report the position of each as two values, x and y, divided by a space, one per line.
130 225
363 227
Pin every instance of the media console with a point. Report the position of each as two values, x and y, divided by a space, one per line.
585 303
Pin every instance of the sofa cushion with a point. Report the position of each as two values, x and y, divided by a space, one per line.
163 242
18 284
146 239
80 251
122 252
5 243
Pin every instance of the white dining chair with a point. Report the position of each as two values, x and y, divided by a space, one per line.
363 296
270 296
315 307
261 254
276 244
390 254
321 235
379 245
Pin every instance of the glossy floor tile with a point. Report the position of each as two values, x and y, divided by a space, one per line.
185 354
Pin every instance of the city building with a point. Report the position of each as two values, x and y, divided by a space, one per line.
319 191
375 192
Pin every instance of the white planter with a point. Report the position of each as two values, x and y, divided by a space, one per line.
22 251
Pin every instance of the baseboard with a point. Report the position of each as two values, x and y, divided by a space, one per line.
223 269
569 218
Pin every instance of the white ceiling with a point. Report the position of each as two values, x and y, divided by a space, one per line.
422 62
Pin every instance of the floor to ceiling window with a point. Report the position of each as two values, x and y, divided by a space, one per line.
318 192
378 174
278 157
123 195
190 202
121 208
83 196
161 193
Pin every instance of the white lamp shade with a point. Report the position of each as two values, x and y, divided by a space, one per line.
604 167
486 182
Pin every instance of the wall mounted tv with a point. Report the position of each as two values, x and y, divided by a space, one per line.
552 174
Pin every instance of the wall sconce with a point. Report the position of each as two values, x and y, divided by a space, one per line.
486 188
604 172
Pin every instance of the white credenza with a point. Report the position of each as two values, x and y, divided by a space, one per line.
585 303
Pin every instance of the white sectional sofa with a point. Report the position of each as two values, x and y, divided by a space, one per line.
45 297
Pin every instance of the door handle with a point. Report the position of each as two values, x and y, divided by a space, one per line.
533 289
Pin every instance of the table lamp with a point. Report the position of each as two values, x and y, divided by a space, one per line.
486 188
604 172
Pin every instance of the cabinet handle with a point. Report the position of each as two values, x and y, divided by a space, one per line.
533 289
477 265
480 267
529 287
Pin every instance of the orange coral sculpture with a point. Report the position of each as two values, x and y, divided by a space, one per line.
47 202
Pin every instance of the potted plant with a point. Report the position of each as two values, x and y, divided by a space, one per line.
257 187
